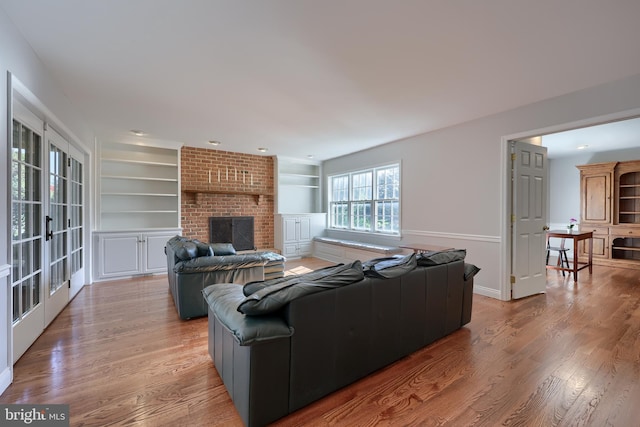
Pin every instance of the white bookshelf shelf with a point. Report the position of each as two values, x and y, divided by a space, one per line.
139 187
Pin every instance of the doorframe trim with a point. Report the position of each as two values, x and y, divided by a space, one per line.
505 184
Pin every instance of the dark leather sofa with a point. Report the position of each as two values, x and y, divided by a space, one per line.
305 345
193 265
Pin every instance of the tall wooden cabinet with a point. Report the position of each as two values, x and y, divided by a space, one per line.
610 207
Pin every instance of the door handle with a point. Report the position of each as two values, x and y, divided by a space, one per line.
48 232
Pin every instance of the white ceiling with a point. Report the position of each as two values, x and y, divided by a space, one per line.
618 135
319 77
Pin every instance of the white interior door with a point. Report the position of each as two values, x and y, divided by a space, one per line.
529 218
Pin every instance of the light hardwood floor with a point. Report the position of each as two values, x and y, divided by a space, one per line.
119 355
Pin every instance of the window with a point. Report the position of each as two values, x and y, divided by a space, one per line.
367 200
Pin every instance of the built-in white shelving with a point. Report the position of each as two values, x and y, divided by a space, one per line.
298 186
139 187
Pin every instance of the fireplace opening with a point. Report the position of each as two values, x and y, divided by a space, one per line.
237 230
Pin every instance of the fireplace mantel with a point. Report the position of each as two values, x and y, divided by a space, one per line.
257 194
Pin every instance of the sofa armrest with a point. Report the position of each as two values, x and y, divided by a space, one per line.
223 300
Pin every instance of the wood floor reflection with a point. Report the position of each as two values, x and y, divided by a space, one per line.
119 355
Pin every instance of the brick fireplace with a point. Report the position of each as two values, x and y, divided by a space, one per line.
234 173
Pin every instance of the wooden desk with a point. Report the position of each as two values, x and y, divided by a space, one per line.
576 236
420 248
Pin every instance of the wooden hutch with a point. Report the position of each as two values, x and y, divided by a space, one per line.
610 207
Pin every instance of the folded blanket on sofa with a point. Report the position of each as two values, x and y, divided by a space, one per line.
389 267
269 296
214 263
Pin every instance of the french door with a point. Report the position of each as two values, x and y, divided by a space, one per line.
47 226
56 227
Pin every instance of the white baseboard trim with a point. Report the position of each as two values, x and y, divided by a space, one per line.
487 292
6 377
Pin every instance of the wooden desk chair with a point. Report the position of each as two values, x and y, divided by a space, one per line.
563 260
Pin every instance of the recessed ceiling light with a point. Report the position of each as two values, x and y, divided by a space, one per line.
215 142
582 147
137 132
263 149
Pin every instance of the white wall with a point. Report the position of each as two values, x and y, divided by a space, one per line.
18 58
452 179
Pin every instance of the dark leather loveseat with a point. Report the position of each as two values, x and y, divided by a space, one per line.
193 265
294 340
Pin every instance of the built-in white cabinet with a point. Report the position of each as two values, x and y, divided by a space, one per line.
298 185
139 208
123 254
294 233
139 187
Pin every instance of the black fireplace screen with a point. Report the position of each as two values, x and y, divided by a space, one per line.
237 230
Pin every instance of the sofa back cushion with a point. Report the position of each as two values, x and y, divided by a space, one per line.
204 249
186 250
220 249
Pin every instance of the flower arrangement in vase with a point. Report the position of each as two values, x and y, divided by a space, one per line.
572 223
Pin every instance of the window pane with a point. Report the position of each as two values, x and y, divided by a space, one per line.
388 181
36 289
340 215
361 214
26 293
16 302
362 186
340 188
387 217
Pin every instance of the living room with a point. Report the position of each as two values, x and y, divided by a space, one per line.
454 173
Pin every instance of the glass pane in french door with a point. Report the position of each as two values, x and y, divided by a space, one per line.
26 216
57 218
76 217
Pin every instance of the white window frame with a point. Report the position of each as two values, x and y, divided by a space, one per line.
353 201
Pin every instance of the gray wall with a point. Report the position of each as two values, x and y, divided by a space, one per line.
454 179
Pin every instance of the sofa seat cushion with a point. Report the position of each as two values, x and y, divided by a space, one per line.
223 300
267 297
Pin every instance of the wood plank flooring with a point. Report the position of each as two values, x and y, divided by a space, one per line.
119 355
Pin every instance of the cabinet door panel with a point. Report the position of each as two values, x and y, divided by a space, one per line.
290 250
600 247
304 249
305 229
290 226
597 198
119 255
156 260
